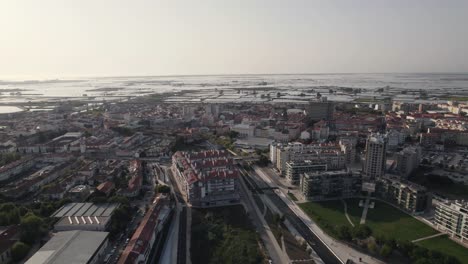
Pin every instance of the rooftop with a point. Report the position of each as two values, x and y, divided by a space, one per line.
69 247
86 209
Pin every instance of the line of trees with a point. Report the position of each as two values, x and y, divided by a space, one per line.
33 222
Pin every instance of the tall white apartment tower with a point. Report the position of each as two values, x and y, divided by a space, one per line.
375 159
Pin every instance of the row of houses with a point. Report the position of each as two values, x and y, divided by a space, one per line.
149 237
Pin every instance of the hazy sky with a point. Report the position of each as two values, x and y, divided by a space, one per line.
57 38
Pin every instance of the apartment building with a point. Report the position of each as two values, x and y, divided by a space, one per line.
208 178
329 154
408 160
407 195
452 217
294 169
320 109
375 158
321 185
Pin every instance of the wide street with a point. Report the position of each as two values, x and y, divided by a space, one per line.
329 249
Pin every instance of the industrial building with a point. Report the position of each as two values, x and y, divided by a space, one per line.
84 216
77 247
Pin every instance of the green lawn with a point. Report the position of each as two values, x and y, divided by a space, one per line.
447 246
327 214
384 220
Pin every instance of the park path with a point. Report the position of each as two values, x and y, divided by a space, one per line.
366 208
428 237
346 212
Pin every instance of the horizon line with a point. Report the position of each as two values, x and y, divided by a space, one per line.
30 78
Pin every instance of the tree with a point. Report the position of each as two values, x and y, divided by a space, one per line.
263 161
8 158
423 261
344 233
405 247
46 209
386 250
418 253
119 219
163 189
379 239
233 134
450 260
19 251
119 199
362 232
372 246
32 228
9 214
99 199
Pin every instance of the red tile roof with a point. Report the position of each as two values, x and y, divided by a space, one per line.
141 239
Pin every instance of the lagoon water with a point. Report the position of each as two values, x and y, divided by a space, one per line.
131 86
9 109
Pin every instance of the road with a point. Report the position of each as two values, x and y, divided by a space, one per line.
329 249
182 242
269 240
169 252
320 248
121 242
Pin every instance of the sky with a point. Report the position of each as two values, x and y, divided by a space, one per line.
59 38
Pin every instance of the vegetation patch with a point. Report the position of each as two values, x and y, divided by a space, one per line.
386 231
388 221
329 215
292 196
224 235
443 244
